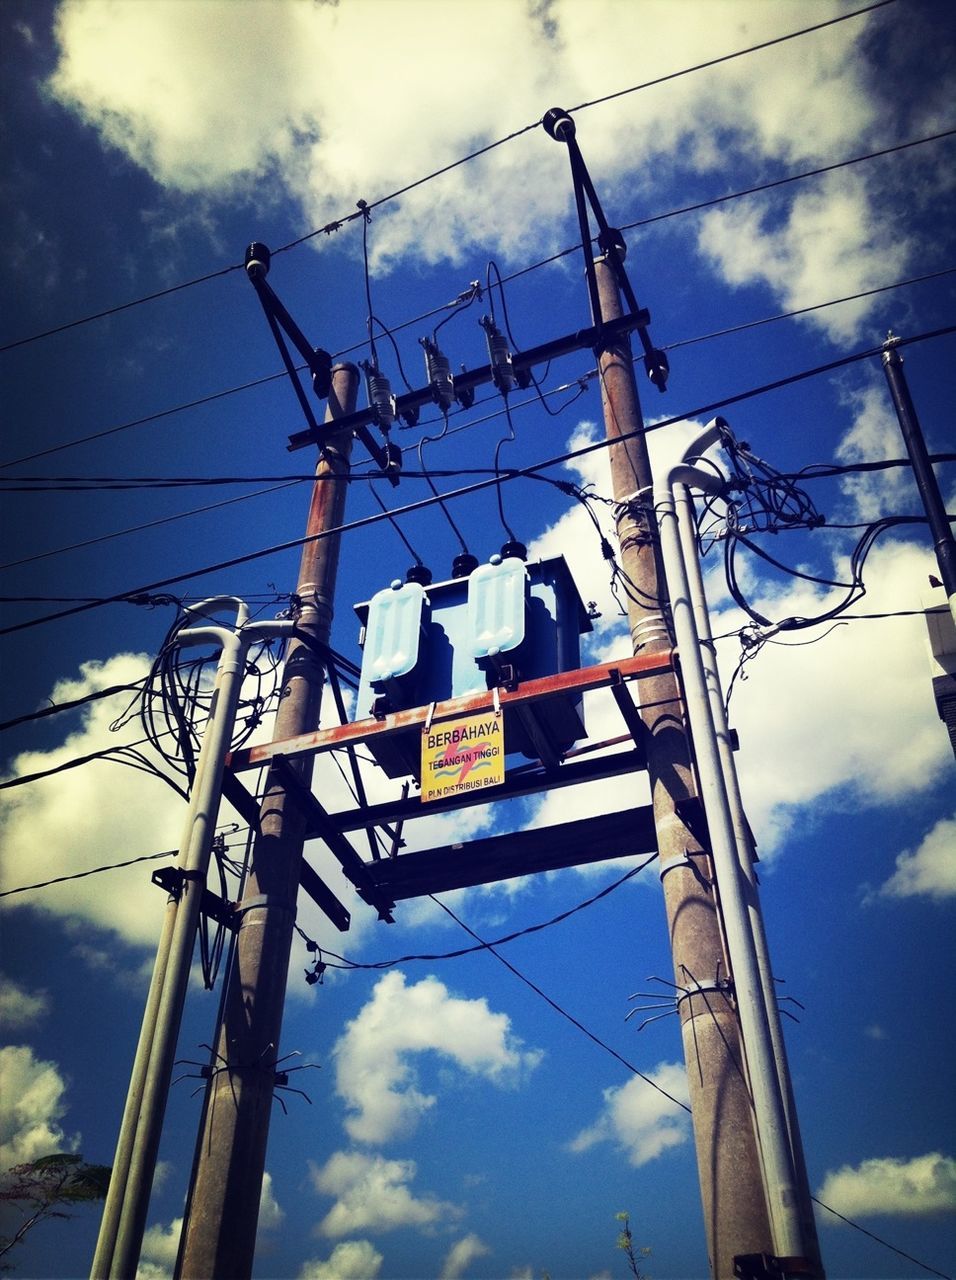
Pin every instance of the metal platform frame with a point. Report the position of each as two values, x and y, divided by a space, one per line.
381 881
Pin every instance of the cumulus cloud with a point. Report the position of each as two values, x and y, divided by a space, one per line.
929 870
372 1070
19 1007
372 1194
920 1187
350 1260
223 96
161 1243
816 251
54 815
461 1255
640 1121
31 1108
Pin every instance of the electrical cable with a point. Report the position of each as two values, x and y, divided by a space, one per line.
55 708
728 57
498 942
275 377
602 1044
365 208
80 875
476 487
879 1239
149 524
508 439
431 484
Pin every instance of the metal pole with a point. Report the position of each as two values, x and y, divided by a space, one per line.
194 854
745 852
769 1112
734 1205
118 1193
943 541
219 1236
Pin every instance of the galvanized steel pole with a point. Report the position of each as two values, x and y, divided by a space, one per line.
735 1212
219 1234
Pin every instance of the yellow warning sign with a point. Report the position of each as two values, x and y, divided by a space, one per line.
463 755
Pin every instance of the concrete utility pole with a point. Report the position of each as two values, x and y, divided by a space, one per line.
219 1234
943 542
728 1162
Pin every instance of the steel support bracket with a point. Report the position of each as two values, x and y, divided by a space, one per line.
171 880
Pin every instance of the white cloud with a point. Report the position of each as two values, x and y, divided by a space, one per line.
217 96
638 1119
875 434
161 1243
350 1260
826 246
930 869
19 1007
31 1108
461 1255
141 815
894 1187
372 1193
373 1073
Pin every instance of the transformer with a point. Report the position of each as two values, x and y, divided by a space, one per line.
507 621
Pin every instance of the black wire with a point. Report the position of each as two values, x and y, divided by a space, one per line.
478 486
508 439
879 1239
80 875
728 57
602 1044
509 937
365 208
431 484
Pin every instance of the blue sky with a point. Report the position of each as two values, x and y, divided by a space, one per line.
145 143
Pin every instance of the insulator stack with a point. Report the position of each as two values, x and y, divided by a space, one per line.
439 374
380 398
499 357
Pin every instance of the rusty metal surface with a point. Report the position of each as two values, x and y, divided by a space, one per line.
579 680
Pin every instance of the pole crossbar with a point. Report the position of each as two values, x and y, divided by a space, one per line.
578 680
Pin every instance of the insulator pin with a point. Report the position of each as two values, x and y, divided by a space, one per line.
499 357
439 374
380 398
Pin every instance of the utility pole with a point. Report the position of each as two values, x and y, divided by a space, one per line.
735 1212
220 1231
943 541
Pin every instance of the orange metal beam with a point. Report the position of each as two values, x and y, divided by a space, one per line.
579 680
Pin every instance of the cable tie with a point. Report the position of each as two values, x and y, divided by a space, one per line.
428 717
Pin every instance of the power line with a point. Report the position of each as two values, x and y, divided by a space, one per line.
367 207
814 471
427 315
496 942
59 707
879 1239
602 1044
476 487
728 57
93 871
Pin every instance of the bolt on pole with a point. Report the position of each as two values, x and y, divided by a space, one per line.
220 1230
735 1212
